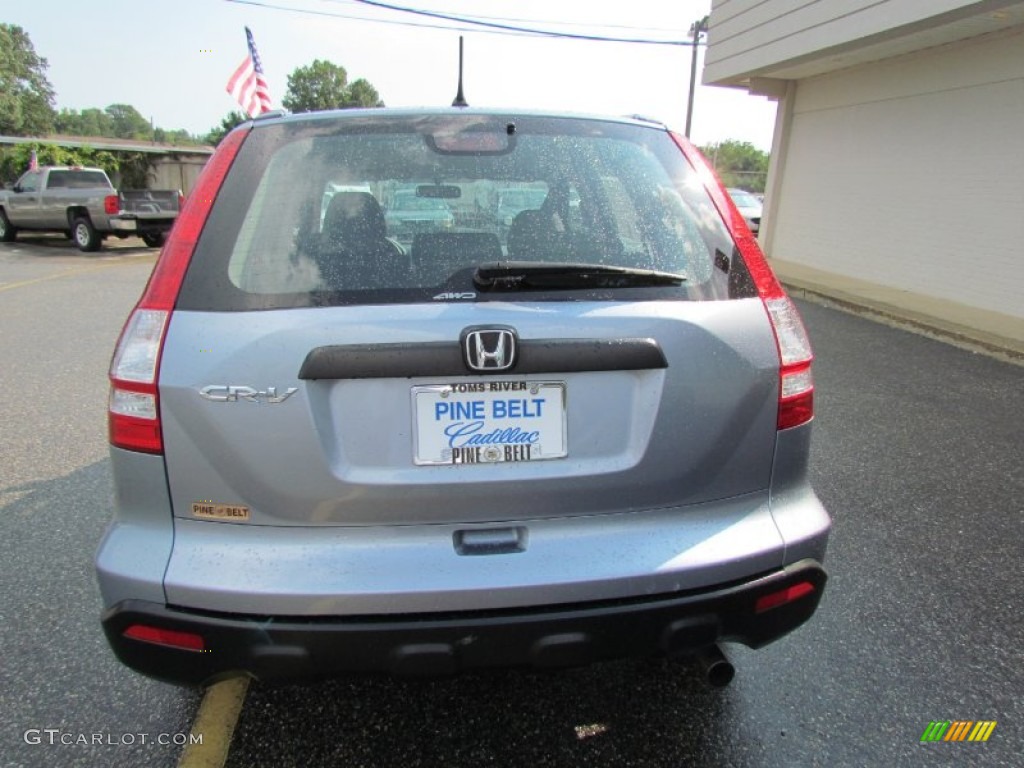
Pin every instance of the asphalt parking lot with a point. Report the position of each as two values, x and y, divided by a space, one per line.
917 455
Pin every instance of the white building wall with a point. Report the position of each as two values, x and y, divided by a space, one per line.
910 173
748 36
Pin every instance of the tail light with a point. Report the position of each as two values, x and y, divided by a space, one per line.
134 408
133 417
796 384
111 204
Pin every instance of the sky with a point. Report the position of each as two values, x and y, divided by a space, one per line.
171 59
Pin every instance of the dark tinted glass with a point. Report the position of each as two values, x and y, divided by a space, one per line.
76 180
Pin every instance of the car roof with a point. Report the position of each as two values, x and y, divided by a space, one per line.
280 116
68 168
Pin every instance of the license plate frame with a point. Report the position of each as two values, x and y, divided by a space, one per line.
489 422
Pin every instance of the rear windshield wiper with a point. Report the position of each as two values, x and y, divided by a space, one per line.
538 275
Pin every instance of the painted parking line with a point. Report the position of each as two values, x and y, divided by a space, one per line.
215 722
65 273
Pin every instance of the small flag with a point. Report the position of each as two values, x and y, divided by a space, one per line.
33 161
247 85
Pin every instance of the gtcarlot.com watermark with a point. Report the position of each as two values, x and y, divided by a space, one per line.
55 736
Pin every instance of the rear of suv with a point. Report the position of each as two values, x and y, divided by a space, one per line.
579 435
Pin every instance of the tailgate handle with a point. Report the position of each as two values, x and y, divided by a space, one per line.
490 541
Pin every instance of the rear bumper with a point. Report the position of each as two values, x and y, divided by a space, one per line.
133 225
290 648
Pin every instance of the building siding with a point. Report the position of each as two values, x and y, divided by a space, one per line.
909 173
753 36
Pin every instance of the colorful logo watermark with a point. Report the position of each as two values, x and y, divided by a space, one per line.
958 730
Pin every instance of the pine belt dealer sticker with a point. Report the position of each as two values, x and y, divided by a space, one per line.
209 511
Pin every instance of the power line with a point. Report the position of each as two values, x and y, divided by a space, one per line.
488 27
548 22
528 30
311 12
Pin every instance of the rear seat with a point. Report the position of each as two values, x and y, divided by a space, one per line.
537 235
437 255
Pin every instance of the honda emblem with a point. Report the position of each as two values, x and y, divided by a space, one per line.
489 349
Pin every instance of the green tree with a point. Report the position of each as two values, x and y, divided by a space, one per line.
739 164
178 137
116 121
229 121
88 122
362 94
14 160
128 123
26 96
133 169
323 85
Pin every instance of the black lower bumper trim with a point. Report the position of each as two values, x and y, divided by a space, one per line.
292 648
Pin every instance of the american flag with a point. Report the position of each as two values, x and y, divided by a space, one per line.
247 85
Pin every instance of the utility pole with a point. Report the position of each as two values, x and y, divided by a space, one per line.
696 29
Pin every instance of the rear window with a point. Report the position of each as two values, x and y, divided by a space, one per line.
398 209
77 180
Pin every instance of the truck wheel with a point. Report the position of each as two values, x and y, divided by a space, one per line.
7 232
86 236
153 239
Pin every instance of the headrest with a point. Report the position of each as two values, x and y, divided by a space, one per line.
354 215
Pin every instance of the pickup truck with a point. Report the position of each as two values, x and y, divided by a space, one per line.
83 204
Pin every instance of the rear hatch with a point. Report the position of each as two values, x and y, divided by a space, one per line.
607 352
673 407
149 203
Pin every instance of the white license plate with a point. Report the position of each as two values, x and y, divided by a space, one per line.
489 422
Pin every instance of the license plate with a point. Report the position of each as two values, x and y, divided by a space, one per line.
489 422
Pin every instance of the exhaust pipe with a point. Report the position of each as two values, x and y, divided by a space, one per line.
717 669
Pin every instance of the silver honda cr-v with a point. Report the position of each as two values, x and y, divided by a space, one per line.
348 441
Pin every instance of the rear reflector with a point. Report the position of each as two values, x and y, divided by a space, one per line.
783 596
169 638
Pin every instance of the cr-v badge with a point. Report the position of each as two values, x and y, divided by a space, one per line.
230 393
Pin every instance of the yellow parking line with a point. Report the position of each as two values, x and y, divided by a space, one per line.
215 722
65 273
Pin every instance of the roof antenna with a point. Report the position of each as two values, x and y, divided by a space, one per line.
460 100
